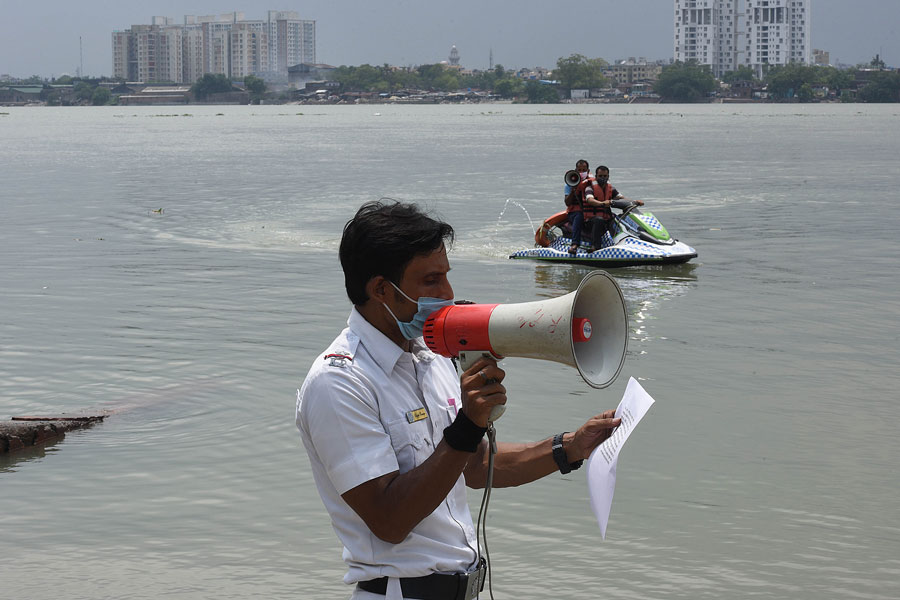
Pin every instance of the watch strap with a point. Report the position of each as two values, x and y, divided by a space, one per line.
559 455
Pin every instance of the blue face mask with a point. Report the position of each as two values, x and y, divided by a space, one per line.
413 329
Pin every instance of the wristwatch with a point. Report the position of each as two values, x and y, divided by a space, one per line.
559 455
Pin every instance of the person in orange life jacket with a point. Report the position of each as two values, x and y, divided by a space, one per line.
584 170
589 206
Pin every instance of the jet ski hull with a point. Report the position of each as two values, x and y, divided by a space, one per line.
628 252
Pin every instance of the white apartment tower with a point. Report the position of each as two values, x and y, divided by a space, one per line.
725 34
150 53
777 33
249 49
291 40
122 54
707 31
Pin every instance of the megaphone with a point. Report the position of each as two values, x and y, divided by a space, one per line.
572 178
586 329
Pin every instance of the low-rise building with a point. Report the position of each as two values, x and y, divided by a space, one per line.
21 94
633 71
151 95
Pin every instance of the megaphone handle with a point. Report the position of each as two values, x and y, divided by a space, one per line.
467 358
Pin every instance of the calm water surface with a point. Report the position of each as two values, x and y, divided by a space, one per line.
766 468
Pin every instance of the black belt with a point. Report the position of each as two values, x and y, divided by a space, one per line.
437 586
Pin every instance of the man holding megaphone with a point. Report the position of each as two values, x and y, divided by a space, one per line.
394 435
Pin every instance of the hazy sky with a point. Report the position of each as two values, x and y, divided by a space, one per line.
42 37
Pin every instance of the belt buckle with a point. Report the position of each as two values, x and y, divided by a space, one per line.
475 581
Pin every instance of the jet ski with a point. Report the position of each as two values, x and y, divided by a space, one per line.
640 239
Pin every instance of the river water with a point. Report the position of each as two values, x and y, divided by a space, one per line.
178 267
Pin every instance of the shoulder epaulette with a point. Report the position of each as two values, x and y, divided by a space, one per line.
338 360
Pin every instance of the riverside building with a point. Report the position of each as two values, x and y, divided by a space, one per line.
225 44
726 34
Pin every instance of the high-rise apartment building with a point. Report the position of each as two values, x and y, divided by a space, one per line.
221 44
123 55
249 49
777 33
726 34
291 40
707 31
148 52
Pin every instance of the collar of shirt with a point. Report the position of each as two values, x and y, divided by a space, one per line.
385 352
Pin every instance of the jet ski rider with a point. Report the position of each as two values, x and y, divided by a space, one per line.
589 204
583 170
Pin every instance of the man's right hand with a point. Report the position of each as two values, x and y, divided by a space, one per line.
482 390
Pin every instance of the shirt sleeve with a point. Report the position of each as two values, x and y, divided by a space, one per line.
340 416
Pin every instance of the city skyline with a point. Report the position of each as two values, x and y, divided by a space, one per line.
228 44
35 41
728 34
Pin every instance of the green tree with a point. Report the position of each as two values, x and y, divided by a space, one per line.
877 63
83 90
579 72
685 82
256 87
100 96
433 77
508 87
541 93
805 93
255 84
837 80
742 73
364 78
446 82
883 86
211 84
785 82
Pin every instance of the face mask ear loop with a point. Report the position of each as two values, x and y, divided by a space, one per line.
401 292
390 311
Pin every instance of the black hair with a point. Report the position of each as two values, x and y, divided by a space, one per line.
601 168
581 160
382 238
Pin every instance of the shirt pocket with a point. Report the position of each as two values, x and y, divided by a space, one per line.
411 442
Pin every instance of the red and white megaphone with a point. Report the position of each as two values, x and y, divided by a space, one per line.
586 329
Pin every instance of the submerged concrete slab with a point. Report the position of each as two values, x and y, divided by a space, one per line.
22 432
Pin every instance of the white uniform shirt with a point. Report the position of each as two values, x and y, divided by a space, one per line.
357 419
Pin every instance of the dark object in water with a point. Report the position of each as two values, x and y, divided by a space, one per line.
21 432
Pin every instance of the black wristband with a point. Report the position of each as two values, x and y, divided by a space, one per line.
463 434
559 455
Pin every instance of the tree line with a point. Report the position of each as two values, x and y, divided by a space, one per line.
692 82
678 82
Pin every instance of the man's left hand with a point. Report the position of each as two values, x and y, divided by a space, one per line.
590 435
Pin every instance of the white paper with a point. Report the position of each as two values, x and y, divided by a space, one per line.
601 466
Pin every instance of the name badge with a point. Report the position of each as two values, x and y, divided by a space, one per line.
416 415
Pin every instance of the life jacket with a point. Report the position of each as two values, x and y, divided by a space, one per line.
601 193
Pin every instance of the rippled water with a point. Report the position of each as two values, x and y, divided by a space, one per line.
765 469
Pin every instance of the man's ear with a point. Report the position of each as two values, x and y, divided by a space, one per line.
377 288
